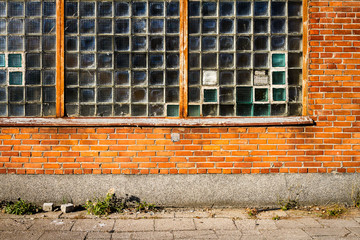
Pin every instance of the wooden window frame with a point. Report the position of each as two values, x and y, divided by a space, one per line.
183 119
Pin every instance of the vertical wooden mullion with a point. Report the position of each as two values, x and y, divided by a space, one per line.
183 59
60 19
305 59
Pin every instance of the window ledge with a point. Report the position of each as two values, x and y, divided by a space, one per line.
155 122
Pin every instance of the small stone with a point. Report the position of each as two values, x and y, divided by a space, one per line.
48 207
66 208
175 137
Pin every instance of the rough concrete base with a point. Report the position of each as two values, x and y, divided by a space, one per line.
186 190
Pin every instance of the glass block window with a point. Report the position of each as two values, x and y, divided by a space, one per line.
245 58
122 58
27 58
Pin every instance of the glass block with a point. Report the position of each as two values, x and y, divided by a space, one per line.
15 78
226 43
278 25
87 95
105 60
71 95
3 97
172 78
172 43
49 94
277 8
261 77
278 109
71 60
172 95
261 26
226 8
16 110
48 60
194 110
14 60
278 78
156 110
104 78
209 77
209 43
226 77
278 42
172 110
227 110
294 9
71 110
156 25
194 77
139 9
103 110
121 110
226 60
33 93
226 26
16 94
32 59
87 110
32 110
261 110
49 25
2 26
16 26
71 78
105 9
71 26
156 60
172 9
194 94
87 78
3 110
260 43
295 59
244 110
121 9
88 26
156 9
295 26
121 78
260 60
209 26
138 110
49 9
244 95
209 9
243 60
15 43
156 43
122 26
48 77
295 77
139 60
71 9
279 94
172 60
209 110
105 43
87 43
209 60
295 109
243 8
194 8
138 95
33 77
172 26
122 95
261 95
243 26
3 77
156 95
260 8
227 95
15 9
2 8
122 60
139 26
243 43
278 60
49 43
139 43
104 95
295 43
156 78
210 95
2 60
2 43
295 94
87 9
194 25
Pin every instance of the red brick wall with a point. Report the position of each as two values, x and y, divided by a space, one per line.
332 145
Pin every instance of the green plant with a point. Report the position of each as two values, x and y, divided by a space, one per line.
21 207
276 218
289 204
105 206
144 206
252 212
334 211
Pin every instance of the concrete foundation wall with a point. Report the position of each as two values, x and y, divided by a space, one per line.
186 190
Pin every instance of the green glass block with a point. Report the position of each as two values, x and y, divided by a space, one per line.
194 110
2 60
261 110
210 95
261 95
278 60
173 110
244 110
279 94
15 78
14 60
244 95
278 78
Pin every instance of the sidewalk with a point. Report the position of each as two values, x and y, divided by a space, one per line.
182 224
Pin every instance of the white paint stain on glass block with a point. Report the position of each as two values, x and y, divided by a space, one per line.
210 78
